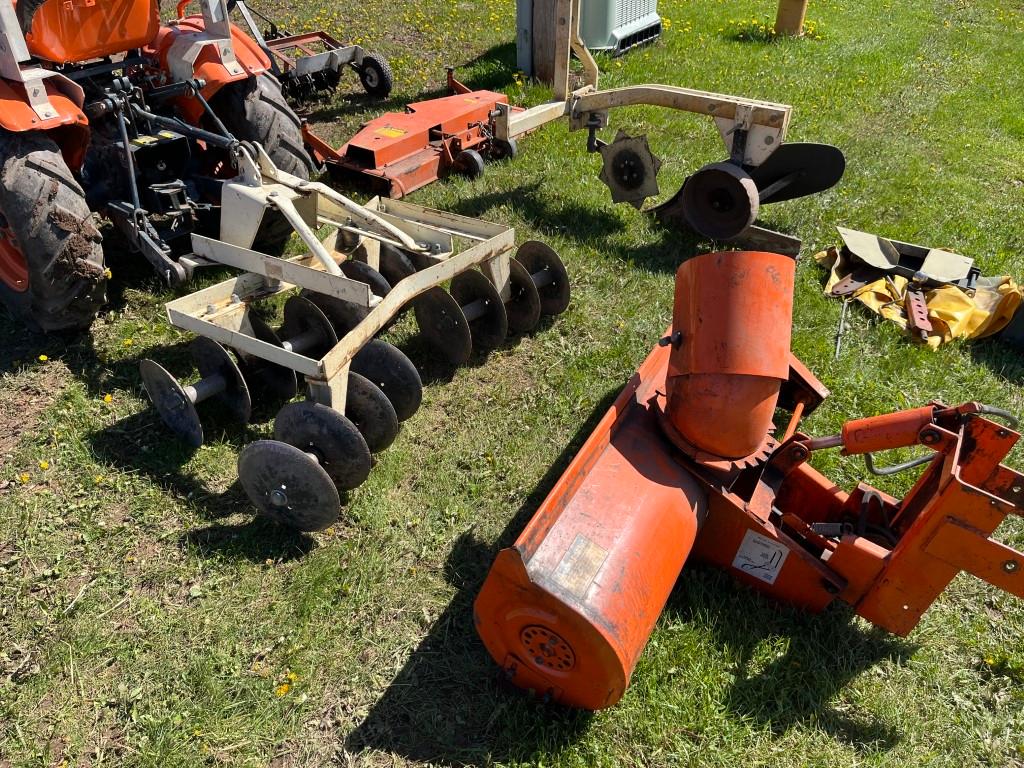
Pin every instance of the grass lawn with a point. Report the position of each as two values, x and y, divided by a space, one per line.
147 619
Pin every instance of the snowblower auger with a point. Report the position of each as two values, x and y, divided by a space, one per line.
686 464
360 387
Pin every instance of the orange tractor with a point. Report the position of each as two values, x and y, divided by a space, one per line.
105 109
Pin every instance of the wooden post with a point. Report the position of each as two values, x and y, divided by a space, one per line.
552 21
790 18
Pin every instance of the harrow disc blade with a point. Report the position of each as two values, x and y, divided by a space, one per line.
328 435
523 307
443 325
371 412
488 324
387 366
175 408
276 380
395 266
213 360
343 315
798 169
364 273
303 318
548 274
288 486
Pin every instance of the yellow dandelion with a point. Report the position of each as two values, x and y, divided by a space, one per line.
24 477
107 273
98 479
108 398
43 358
292 677
127 342
282 689
44 464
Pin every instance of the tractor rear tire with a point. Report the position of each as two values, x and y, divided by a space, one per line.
256 110
52 276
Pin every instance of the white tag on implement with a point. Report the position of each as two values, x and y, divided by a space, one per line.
760 557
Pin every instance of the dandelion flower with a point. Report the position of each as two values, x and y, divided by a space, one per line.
43 358
44 464
282 689
24 477
108 398
127 342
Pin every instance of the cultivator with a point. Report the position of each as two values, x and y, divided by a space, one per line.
311 63
687 463
375 261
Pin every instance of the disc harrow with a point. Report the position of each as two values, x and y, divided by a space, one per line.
469 287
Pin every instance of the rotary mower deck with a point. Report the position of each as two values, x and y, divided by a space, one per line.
399 152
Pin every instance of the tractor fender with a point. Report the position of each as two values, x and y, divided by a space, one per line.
17 115
208 65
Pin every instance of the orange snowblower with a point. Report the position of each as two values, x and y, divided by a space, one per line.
687 464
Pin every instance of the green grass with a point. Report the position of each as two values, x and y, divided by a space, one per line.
146 619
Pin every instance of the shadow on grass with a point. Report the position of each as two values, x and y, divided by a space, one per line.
438 710
824 653
1000 357
588 225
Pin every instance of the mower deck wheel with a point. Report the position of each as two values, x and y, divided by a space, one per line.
288 485
502 149
329 436
469 163
372 413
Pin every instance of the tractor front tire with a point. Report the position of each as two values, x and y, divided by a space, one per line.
256 110
52 275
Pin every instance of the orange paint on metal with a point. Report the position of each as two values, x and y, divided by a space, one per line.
734 310
13 269
66 31
208 67
890 430
569 608
16 115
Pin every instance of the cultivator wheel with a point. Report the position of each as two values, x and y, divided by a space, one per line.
376 76
221 380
